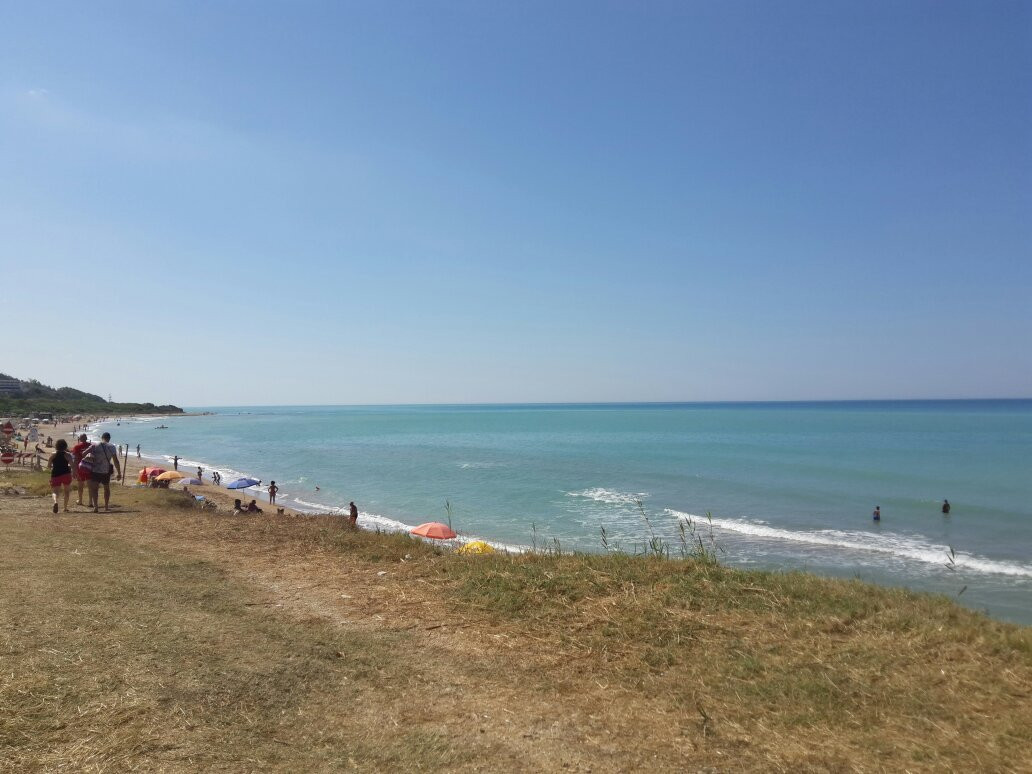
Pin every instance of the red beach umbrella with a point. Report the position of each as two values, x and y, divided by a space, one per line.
435 530
154 471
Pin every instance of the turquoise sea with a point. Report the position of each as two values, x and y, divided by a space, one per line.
787 485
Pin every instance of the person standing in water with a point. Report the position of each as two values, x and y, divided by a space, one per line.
175 462
272 492
946 507
877 513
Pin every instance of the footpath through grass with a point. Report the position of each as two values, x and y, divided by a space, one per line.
164 638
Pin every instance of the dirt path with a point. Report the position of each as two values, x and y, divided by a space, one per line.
450 685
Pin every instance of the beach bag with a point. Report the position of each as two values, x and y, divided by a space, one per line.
95 458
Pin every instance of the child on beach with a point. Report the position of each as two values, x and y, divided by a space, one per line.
272 492
60 464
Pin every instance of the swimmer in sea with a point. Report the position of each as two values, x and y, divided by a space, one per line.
877 513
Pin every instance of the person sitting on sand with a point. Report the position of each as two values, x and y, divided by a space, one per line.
252 507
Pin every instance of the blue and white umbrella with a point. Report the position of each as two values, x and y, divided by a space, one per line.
243 483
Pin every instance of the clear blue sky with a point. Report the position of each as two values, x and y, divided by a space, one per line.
377 202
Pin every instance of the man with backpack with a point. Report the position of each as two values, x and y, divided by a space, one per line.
102 457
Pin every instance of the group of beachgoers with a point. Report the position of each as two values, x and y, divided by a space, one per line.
945 510
89 465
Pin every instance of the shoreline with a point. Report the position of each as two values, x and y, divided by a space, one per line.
133 465
224 497
918 559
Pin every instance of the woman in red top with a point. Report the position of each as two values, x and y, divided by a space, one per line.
78 473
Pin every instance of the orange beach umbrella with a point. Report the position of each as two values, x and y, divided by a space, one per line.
435 530
171 475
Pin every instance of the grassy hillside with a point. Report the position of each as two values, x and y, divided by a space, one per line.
37 397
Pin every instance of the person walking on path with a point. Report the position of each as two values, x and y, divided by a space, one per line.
102 457
175 462
272 492
82 474
60 464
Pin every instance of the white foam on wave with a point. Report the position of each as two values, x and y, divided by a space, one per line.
310 507
374 521
609 496
899 546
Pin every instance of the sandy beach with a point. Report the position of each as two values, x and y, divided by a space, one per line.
222 497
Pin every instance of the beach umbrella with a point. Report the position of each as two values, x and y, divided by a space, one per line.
190 482
171 475
153 471
242 483
476 547
435 530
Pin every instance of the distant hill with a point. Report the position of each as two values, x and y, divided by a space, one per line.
22 398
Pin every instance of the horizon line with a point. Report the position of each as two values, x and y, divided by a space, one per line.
614 402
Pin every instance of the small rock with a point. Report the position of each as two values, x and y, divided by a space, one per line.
382 573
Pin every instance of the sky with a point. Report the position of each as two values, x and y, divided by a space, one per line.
253 203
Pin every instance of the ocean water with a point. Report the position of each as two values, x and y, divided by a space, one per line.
786 485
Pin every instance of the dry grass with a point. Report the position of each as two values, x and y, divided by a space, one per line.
164 638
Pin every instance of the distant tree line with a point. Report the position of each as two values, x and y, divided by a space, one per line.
23 398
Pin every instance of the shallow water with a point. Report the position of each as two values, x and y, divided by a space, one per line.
788 485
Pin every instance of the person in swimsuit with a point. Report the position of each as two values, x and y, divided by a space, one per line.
877 513
946 507
353 514
272 492
60 464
